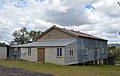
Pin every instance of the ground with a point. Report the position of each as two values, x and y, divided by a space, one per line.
59 70
8 71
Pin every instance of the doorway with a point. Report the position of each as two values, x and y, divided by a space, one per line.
41 54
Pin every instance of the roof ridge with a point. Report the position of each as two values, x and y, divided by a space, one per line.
72 32
77 33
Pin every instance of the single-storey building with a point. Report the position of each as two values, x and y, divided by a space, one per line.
62 46
4 52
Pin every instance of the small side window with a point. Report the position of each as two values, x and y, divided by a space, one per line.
86 51
15 50
29 51
71 52
102 51
59 51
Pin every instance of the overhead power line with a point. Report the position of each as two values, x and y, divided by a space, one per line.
79 13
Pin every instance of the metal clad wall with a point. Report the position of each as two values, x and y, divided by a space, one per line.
86 49
19 53
15 54
11 53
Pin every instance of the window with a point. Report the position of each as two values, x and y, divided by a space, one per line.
29 51
71 52
102 51
86 51
15 50
59 51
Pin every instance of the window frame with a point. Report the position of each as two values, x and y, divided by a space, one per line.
59 52
86 51
103 51
15 50
71 52
29 51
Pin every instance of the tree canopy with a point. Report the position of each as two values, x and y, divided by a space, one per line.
22 36
113 51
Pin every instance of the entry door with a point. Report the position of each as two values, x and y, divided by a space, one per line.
41 54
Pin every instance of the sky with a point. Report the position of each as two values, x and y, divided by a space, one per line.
102 21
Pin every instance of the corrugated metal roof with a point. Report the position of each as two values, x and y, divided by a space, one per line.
48 43
3 45
78 33
72 32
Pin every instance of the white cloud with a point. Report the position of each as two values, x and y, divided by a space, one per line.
104 22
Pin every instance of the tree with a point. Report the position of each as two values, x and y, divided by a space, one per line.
117 53
2 43
113 51
33 35
22 36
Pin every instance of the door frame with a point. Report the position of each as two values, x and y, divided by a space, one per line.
38 54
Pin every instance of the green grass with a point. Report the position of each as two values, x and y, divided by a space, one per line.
59 70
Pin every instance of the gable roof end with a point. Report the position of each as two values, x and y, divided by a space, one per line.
54 27
72 33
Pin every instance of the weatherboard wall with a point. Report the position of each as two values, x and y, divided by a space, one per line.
51 55
29 57
3 52
55 34
71 59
